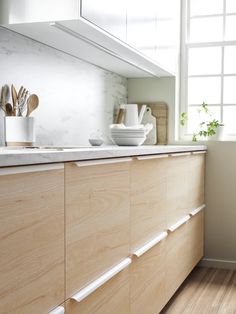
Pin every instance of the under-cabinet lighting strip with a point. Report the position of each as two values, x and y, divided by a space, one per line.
94 44
152 157
139 252
27 169
82 294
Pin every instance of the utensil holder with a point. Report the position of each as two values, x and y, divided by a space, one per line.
19 131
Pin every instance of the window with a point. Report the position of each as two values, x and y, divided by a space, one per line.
209 61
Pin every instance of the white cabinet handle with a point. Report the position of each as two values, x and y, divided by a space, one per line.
197 210
179 223
152 157
199 152
87 163
26 169
83 293
180 154
58 310
139 252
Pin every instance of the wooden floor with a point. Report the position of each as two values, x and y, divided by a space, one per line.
205 291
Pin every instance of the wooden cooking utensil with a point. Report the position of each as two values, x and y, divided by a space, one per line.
14 99
32 104
9 110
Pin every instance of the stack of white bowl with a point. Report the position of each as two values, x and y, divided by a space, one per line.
128 136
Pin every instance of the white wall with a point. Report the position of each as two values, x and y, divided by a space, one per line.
76 98
155 89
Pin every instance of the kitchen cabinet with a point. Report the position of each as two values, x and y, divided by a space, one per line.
97 219
107 14
31 238
115 235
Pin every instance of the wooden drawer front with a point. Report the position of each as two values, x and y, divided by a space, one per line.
177 188
111 298
196 239
97 221
177 259
196 170
31 239
148 200
147 281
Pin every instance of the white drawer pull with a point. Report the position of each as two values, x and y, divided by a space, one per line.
28 169
179 223
139 252
199 152
58 310
87 163
180 154
83 293
152 157
197 210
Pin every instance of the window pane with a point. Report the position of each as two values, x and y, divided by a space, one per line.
204 89
230 60
204 60
230 28
204 7
195 118
230 6
206 29
229 90
229 114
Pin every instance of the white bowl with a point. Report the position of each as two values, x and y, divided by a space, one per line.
128 141
96 141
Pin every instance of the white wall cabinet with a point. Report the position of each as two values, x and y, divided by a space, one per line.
121 36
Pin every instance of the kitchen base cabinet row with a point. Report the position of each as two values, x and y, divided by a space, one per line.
105 236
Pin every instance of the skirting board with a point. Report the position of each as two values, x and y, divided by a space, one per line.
217 263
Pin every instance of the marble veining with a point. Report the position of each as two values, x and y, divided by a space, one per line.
40 156
76 98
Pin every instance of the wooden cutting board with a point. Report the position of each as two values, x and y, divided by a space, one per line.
159 110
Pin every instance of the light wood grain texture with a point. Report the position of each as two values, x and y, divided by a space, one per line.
31 242
147 281
97 221
148 200
195 180
111 298
205 291
177 188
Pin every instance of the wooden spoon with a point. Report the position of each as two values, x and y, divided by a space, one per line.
32 104
9 109
14 99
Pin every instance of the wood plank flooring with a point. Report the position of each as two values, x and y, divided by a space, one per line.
205 291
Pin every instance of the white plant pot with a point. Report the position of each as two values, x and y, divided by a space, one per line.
19 131
219 136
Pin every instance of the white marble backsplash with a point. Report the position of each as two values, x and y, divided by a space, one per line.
76 98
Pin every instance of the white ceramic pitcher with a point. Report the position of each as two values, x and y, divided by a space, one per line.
132 118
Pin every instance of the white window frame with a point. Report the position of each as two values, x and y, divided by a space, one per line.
185 45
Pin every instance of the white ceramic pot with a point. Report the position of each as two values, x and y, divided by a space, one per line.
19 131
219 136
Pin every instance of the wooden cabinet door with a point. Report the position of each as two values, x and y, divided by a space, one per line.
177 187
148 200
111 298
147 281
106 14
31 239
196 174
97 219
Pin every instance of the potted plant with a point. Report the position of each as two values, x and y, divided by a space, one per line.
209 127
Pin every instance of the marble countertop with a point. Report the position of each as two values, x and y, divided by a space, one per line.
18 157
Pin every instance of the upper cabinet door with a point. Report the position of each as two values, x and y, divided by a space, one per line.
168 33
141 26
106 14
